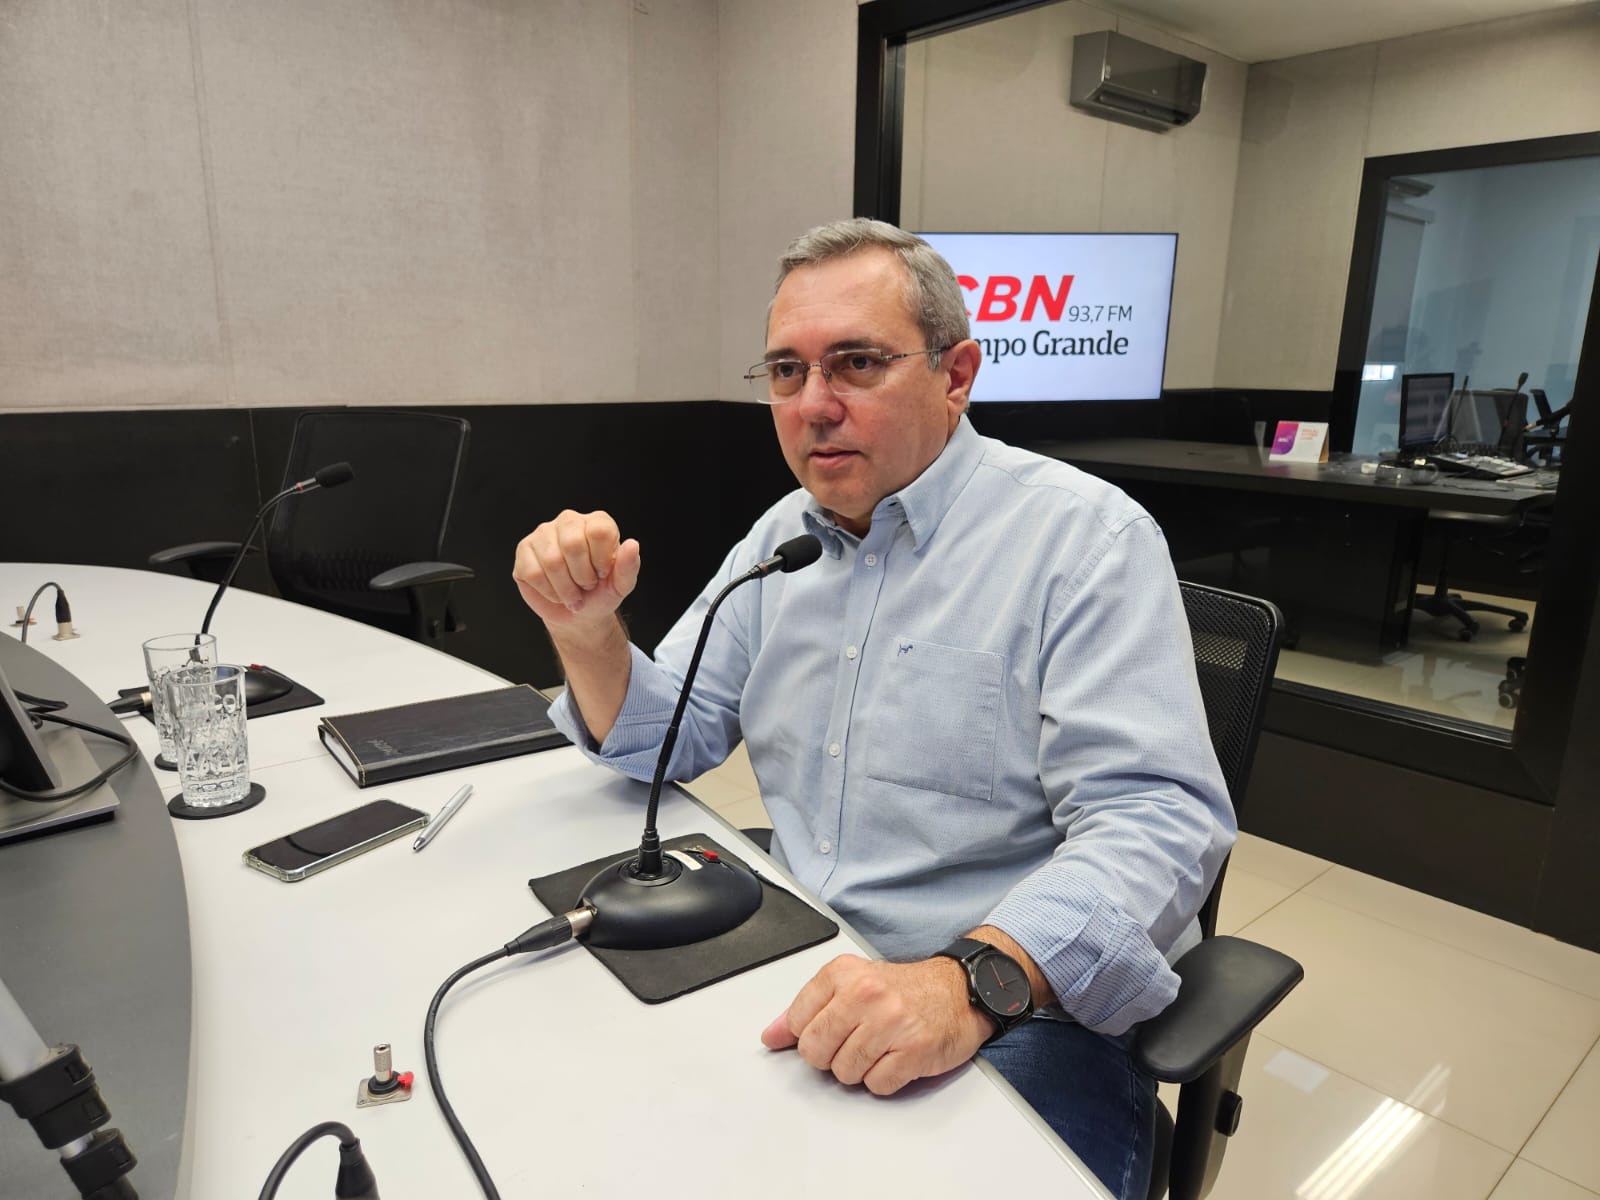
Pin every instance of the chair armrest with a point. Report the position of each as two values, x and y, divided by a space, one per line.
178 554
1228 987
419 574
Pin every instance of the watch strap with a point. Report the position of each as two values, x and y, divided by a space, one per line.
965 949
968 951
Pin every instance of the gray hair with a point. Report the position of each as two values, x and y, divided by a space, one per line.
932 295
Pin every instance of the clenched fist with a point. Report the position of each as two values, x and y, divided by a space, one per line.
575 571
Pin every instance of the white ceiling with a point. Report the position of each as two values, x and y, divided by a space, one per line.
1261 30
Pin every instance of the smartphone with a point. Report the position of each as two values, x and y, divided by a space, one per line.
328 843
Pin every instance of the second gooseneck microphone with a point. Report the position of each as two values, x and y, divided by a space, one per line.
327 477
647 901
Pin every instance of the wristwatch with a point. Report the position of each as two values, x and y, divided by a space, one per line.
996 984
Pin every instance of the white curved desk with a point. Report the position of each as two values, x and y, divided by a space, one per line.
568 1085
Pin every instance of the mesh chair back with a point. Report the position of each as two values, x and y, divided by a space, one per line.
1235 654
324 549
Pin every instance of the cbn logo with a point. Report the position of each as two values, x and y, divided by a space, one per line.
1000 292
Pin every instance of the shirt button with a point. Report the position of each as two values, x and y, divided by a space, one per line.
872 560
834 750
850 651
824 845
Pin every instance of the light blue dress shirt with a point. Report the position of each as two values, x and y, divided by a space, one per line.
982 712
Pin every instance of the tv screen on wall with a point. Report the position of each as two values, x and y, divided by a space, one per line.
1066 316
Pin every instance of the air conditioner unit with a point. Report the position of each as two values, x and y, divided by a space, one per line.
1120 79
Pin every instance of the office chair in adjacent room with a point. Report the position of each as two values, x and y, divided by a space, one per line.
1229 984
1433 415
1452 526
370 551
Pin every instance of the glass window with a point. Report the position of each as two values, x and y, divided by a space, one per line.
1481 294
1483 275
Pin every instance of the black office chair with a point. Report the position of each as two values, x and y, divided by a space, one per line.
1491 421
371 550
1442 602
1228 985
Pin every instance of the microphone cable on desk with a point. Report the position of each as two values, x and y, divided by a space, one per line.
544 936
63 612
41 710
355 1180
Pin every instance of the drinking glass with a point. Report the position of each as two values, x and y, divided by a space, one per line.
208 712
168 653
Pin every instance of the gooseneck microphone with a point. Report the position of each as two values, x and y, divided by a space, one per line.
649 901
327 477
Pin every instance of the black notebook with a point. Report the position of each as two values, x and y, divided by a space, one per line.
387 744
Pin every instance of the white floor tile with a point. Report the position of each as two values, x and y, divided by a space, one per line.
1281 864
1310 1133
739 764
748 813
717 790
1168 1094
1524 1181
1568 1139
1478 1045
1246 896
1474 932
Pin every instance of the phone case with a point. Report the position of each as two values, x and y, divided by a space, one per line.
334 857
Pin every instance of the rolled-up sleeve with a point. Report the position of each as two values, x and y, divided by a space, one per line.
1127 765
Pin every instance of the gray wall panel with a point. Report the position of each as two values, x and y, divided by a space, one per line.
107 292
221 202
785 150
420 202
675 208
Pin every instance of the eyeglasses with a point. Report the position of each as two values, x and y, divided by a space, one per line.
846 372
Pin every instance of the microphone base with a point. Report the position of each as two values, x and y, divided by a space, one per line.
687 902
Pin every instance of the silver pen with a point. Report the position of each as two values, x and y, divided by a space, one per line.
443 815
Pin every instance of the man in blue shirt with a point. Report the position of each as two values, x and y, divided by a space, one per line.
975 721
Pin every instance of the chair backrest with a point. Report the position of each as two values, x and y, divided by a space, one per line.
1236 641
324 549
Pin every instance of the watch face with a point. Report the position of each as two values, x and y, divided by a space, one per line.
1002 985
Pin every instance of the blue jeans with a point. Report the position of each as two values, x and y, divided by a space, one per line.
1087 1089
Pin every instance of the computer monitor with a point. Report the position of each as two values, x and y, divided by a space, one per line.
25 763
1425 409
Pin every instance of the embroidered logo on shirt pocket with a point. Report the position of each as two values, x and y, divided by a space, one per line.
933 721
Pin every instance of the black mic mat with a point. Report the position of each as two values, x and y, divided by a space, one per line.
298 696
782 925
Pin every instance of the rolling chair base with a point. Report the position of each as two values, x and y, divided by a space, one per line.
1450 604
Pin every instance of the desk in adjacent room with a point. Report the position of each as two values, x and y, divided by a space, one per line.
1342 546
568 1085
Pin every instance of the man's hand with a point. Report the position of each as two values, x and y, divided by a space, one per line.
883 1024
575 571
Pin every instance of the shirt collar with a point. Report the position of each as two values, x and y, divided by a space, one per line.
922 503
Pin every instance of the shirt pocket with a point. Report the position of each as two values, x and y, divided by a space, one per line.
935 718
